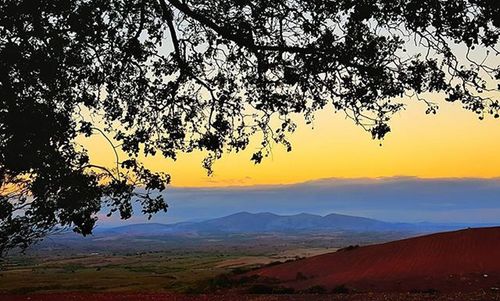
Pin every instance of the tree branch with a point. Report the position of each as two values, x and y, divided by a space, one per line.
238 39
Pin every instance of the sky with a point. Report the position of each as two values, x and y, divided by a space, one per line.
396 199
453 143
442 168
435 168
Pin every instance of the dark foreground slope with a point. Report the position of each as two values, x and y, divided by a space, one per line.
123 296
465 260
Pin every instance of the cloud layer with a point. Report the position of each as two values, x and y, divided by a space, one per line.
402 199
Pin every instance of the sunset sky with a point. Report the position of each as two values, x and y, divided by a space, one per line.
435 168
453 143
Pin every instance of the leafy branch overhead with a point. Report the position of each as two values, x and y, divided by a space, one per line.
171 76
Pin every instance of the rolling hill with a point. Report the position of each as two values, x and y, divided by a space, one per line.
245 222
240 229
465 260
268 222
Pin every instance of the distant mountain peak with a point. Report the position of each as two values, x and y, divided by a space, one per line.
267 222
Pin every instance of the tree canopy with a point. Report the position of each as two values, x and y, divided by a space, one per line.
171 76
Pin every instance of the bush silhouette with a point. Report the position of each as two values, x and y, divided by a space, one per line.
317 289
340 289
269 289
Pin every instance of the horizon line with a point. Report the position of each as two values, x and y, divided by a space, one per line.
305 213
340 179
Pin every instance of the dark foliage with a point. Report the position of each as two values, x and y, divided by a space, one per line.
170 76
269 289
300 276
348 248
341 289
222 282
273 263
317 289
430 291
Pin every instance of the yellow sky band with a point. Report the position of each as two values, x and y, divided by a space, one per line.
453 143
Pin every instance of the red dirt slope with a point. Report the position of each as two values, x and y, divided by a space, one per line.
76 296
298 297
459 261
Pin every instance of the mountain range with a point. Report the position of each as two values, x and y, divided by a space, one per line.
245 222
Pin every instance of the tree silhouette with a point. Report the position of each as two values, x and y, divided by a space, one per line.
171 76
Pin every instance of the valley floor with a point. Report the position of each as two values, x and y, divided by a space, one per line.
226 271
169 271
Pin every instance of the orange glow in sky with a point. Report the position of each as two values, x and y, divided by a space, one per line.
453 143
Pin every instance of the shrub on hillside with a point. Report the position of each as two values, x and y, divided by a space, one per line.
300 276
340 289
349 248
268 289
317 289
430 291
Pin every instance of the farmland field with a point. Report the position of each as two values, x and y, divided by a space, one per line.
203 269
172 271
110 263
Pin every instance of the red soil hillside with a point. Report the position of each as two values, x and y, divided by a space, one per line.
465 260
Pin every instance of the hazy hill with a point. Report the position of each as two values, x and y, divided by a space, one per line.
268 222
245 222
243 230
